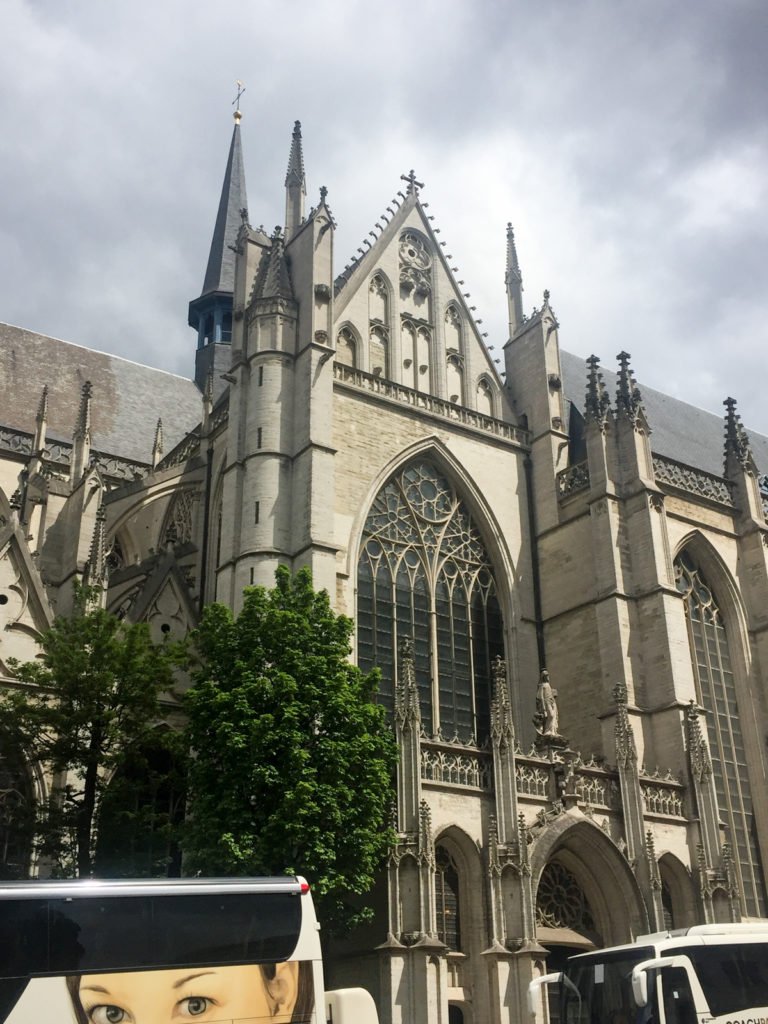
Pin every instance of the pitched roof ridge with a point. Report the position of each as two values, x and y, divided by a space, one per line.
400 210
97 352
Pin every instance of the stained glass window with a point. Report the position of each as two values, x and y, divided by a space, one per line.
424 573
717 694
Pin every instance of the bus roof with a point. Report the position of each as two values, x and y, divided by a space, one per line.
700 934
105 887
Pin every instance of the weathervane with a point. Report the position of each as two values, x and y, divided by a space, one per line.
236 101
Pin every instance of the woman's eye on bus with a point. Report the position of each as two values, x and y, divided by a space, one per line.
107 1013
193 1006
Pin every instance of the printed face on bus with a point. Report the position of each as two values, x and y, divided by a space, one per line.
188 995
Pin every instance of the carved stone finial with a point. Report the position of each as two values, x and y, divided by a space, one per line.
598 402
323 193
426 846
83 425
698 751
96 569
502 724
629 401
157 447
626 751
15 500
42 409
244 215
407 709
171 535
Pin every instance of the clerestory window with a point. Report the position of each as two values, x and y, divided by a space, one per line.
424 573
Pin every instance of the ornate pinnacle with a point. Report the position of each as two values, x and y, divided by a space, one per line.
97 557
513 267
426 848
407 708
157 447
502 725
626 751
736 438
629 401
698 752
83 425
15 500
42 409
598 402
295 173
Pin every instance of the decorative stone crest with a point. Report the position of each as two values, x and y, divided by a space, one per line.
415 264
629 401
598 403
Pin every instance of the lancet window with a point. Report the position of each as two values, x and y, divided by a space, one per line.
447 909
716 692
484 397
424 573
346 348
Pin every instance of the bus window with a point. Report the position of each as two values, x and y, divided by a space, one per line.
677 998
733 976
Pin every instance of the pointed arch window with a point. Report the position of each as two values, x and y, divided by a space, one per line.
716 690
484 397
447 906
346 348
424 573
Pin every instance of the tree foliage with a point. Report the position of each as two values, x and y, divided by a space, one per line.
84 709
292 762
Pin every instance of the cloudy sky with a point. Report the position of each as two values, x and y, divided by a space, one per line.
627 140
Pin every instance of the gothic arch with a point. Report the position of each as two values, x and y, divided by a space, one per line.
355 348
426 566
486 384
433 449
678 892
601 871
467 859
721 580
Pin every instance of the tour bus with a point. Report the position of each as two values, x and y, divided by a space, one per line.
706 974
186 951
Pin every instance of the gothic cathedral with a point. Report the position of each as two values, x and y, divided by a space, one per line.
563 578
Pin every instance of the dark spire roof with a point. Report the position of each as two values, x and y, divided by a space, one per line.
220 273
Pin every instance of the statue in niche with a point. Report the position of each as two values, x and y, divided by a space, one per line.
546 718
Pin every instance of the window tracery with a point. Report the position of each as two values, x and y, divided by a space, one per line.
415 265
424 573
716 689
560 902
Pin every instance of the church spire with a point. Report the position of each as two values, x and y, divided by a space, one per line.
211 313
295 185
514 282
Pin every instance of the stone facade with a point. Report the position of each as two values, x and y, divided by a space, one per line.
481 528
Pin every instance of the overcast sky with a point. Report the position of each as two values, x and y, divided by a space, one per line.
627 141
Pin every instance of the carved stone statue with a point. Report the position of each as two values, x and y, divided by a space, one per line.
546 718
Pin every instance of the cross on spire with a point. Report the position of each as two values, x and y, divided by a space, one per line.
413 185
236 101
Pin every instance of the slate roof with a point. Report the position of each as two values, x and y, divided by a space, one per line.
678 430
127 399
220 272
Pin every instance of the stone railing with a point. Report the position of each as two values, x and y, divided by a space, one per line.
695 481
598 788
662 794
183 452
347 375
451 765
59 453
572 480
532 778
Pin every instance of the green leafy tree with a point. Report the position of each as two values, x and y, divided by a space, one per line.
292 762
84 709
